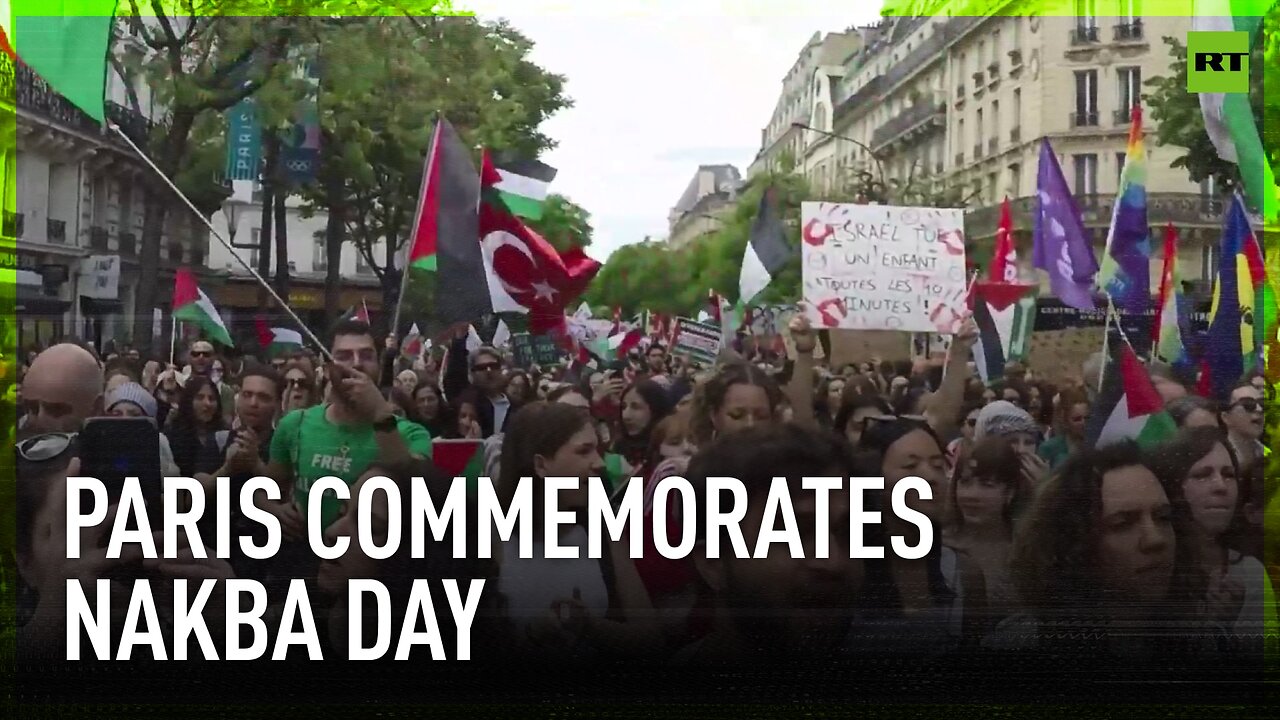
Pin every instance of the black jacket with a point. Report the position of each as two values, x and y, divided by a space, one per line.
457 380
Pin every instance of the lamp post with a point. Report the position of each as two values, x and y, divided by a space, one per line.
878 195
232 209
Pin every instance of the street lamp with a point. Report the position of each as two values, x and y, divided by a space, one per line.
874 155
232 209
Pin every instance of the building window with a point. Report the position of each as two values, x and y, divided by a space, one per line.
362 265
995 120
319 256
977 128
1130 92
1015 180
1086 98
1086 174
995 46
1086 14
994 185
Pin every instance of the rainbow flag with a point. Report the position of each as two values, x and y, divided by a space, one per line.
1125 273
1168 325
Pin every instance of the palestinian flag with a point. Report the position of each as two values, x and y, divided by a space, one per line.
412 346
1005 314
459 459
1128 406
444 238
284 342
522 186
66 43
191 305
767 249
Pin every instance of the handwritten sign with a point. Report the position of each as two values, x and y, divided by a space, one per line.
100 277
876 267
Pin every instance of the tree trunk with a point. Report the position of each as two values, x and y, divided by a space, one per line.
271 157
157 199
149 267
282 242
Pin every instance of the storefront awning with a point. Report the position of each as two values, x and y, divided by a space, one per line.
31 300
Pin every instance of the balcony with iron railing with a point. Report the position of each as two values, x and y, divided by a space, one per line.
1128 32
98 239
33 94
57 230
1181 209
1083 119
918 118
1122 117
136 126
1084 35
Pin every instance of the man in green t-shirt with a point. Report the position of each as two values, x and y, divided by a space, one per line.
342 437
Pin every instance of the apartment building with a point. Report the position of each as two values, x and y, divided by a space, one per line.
962 102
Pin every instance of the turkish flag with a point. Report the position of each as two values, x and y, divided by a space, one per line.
530 273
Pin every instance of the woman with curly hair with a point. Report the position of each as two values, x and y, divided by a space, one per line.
1099 568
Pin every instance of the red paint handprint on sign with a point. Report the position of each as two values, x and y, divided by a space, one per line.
812 238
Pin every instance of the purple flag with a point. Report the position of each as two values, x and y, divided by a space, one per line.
1061 244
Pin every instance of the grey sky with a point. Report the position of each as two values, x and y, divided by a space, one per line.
660 87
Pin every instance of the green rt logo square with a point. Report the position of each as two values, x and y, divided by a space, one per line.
1218 62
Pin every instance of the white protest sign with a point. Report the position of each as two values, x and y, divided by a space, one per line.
100 277
878 267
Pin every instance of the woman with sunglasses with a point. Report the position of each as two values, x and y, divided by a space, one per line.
1243 417
193 433
1203 481
958 449
934 604
299 388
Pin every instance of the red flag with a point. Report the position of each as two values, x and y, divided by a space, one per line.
1004 259
532 272
263 328
713 303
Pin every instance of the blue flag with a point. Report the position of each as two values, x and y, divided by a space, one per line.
1231 334
1062 247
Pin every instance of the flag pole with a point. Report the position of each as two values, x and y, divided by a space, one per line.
173 340
413 236
324 349
1106 340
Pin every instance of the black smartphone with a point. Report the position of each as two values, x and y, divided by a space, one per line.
114 448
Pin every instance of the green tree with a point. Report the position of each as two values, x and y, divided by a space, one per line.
197 66
383 82
563 223
1181 123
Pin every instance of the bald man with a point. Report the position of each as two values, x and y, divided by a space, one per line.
62 388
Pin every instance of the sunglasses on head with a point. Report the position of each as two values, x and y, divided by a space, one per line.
1247 404
45 447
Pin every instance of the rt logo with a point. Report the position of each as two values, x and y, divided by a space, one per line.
1217 62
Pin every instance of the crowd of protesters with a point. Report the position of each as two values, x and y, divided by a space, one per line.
1044 542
